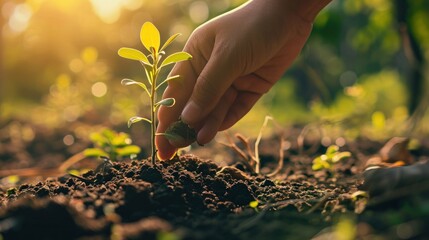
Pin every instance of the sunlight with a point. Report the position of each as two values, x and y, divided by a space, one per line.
20 17
99 89
110 11
199 11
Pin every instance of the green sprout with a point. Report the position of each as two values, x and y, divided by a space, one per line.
329 159
112 145
150 38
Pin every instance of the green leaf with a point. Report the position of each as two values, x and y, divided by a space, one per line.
128 150
137 119
168 102
121 139
320 163
332 150
149 36
108 134
127 82
254 204
133 54
94 152
340 156
149 73
167 80
176 57
97 139
169 41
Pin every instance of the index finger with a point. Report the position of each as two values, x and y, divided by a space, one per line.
179 89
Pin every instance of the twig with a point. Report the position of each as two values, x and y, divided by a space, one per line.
301 138
258 140
71 161
319 203
281 157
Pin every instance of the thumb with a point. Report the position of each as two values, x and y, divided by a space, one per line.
215 78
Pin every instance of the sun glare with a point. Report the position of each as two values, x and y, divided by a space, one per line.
110 11
20 16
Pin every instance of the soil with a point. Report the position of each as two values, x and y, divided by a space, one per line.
193 198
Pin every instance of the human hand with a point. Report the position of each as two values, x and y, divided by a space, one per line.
237 57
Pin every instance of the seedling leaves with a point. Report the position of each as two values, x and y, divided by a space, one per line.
133 54
127 82
168 102
169 41
167 80
94 152
176 57
340 156
128 150
149 36
137 119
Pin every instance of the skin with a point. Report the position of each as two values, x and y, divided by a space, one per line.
237 57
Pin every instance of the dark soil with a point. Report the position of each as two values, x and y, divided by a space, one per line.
192 198
187 196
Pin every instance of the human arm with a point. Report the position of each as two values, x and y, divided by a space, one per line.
237 57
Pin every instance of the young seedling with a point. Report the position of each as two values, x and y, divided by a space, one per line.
152 64
329 159
112 145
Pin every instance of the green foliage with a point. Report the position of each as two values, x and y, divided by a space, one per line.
112 145
150 38
254 204
329 159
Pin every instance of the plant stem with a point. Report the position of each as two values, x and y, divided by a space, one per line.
152 107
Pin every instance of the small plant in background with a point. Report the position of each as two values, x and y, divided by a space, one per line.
112 145
329 159
150 38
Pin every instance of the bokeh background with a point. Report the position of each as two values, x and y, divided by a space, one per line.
363 71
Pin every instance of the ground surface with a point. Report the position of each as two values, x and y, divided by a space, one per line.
193 198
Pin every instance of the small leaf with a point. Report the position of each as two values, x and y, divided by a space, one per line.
359 194
128 150
176 57
149 73
121 139
149 36
94 152
127 82
254 204
167 80
169 41
332 150
108 134
97 139
320 163
340 156
180 134
133 54
138 119
168 102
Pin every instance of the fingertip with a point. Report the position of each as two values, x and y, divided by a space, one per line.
165 150
191 113
205 135
166 155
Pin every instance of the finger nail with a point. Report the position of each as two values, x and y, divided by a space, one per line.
191 112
